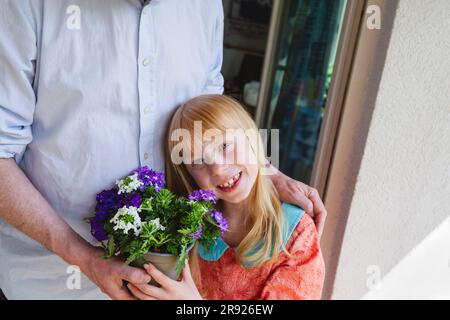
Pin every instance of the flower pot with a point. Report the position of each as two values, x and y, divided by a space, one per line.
164 262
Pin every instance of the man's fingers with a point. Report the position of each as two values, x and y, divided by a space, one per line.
157 275
320 224
308 198
320 212
121 294
318 205
139 293
134 275
304 202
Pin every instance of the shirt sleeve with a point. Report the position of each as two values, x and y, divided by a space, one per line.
18 50
299 277
215 81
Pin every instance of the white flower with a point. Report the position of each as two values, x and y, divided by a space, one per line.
157 224
127 219
129 184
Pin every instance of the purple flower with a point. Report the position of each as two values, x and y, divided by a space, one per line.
131 200
150 177
197 234
202 195
218 217
97 223
107 200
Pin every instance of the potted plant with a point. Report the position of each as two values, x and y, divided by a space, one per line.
142 221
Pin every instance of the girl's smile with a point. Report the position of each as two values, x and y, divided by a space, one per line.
231 183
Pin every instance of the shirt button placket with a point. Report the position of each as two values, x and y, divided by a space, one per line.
145 91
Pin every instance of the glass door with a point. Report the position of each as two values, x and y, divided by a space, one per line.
305 42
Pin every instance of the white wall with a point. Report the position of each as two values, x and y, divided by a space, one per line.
398 227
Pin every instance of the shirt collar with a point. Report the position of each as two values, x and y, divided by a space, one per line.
292 216
141 3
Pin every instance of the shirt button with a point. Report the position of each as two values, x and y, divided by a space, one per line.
145 156
147 110
145 62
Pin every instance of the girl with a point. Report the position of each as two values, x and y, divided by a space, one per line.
270 250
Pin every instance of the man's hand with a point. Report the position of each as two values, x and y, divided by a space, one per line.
302 195
108 275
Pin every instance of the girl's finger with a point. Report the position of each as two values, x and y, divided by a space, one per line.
152 290
139 294
158 276
187 272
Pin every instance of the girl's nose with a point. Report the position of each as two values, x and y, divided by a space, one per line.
217 169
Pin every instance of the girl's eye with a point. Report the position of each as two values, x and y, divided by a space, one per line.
225 145
197 162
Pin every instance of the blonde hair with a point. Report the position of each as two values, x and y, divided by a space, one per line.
265 214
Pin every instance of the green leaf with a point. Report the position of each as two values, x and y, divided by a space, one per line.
181 262
110 248
185 231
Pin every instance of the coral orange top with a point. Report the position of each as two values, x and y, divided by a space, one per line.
221 277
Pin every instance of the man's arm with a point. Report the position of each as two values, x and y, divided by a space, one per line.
23 207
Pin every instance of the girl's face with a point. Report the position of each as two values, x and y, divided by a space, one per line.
228 166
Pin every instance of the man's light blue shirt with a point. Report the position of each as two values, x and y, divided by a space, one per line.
86 91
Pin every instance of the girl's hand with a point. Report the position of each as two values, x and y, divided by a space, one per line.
169 290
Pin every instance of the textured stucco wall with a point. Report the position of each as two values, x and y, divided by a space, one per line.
398 225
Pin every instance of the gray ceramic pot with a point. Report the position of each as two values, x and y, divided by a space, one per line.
164 262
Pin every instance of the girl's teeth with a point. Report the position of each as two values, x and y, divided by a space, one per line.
230 182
